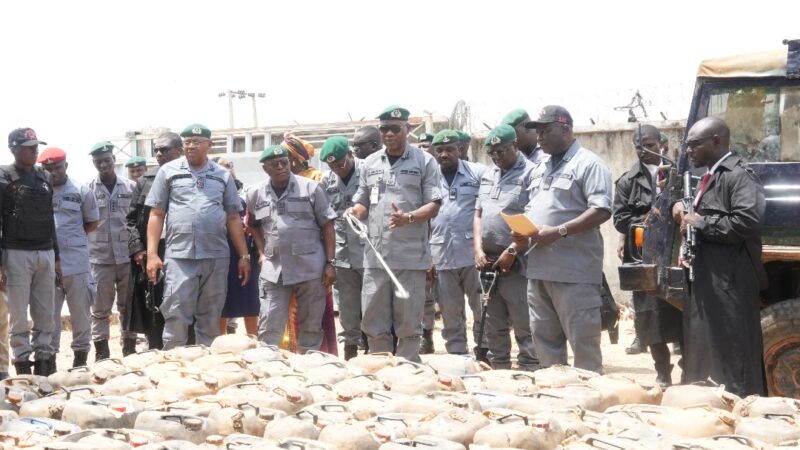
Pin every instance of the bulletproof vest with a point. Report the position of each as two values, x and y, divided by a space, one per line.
27 205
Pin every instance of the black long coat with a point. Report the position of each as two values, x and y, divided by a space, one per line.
722 326
656 321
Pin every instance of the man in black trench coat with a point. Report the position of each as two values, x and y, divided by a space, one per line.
722 327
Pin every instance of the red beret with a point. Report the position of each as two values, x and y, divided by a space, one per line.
52 155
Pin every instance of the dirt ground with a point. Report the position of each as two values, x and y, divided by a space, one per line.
615 361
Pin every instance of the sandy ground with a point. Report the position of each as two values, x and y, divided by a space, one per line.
615 361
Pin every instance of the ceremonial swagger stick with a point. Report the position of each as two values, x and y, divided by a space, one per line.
358 227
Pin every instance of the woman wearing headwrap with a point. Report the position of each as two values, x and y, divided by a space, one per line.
300 152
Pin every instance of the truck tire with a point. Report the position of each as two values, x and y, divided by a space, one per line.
780 325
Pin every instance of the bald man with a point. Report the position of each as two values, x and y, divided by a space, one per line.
366 141
722 328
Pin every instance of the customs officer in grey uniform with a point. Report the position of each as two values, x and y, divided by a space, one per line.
76 215
108 249
526 137
201 205
399 193
504 189
136 166
570 197
288 214
341 183
451 243
30 257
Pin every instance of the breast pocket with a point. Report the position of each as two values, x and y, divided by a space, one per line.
300 209
67 206
563 183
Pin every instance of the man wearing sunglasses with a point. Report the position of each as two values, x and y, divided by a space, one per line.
656 322
203 210
526 137
504 190
721 320
288 213
399 193
366 141
341 183
570 198
142 317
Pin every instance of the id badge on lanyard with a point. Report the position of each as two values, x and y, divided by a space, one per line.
374 192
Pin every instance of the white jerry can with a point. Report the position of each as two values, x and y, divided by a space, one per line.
102 412
133 381
177 426
52 405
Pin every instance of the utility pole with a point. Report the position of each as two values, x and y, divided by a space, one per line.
241 94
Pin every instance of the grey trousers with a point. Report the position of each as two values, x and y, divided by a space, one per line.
562 312
31 279
508 307
112 282
79 290
194 292
429 312
3 332
383 309
451 286
275 298
347 292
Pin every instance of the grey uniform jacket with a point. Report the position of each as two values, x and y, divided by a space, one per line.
197 203
507 193
560 193
411 182
73 205
349 247
108 243
291 225
451 230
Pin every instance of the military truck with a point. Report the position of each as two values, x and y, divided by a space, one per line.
758 95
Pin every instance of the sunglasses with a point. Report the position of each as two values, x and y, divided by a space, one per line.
275 163
696 142
161 150
387 128
338 165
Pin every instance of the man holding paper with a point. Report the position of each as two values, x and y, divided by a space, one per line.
503 191
570 196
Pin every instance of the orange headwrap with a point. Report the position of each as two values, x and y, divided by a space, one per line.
299 148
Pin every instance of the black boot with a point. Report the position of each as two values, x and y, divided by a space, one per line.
635 348
101 350
664 376
41 367
481 354
23 367
79 358
128 346
51 367
660 354
426 346
350 351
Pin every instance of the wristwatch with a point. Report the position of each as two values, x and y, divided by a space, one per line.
411 218
331 261
246 257
562 230
512 251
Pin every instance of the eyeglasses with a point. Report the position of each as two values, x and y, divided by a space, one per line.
162 150
360 144
696 142
338 164
387 128
275 163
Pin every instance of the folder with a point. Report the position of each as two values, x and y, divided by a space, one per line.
520 223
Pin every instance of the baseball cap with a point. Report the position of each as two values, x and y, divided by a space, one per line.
23 137
551 114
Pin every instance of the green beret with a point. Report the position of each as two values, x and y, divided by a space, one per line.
500 135
445 137
394 112
196 129
335 147
463 136
272 152
515 117
101 147
425 137
136 161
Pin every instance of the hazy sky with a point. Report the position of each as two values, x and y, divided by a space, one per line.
79 72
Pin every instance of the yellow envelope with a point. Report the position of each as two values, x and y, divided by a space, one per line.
521 224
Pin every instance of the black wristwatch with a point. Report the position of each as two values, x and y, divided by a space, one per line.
512 251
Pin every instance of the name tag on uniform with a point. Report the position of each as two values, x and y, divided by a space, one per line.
495 194
113 204
392 180
201 182
453 193
548 180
